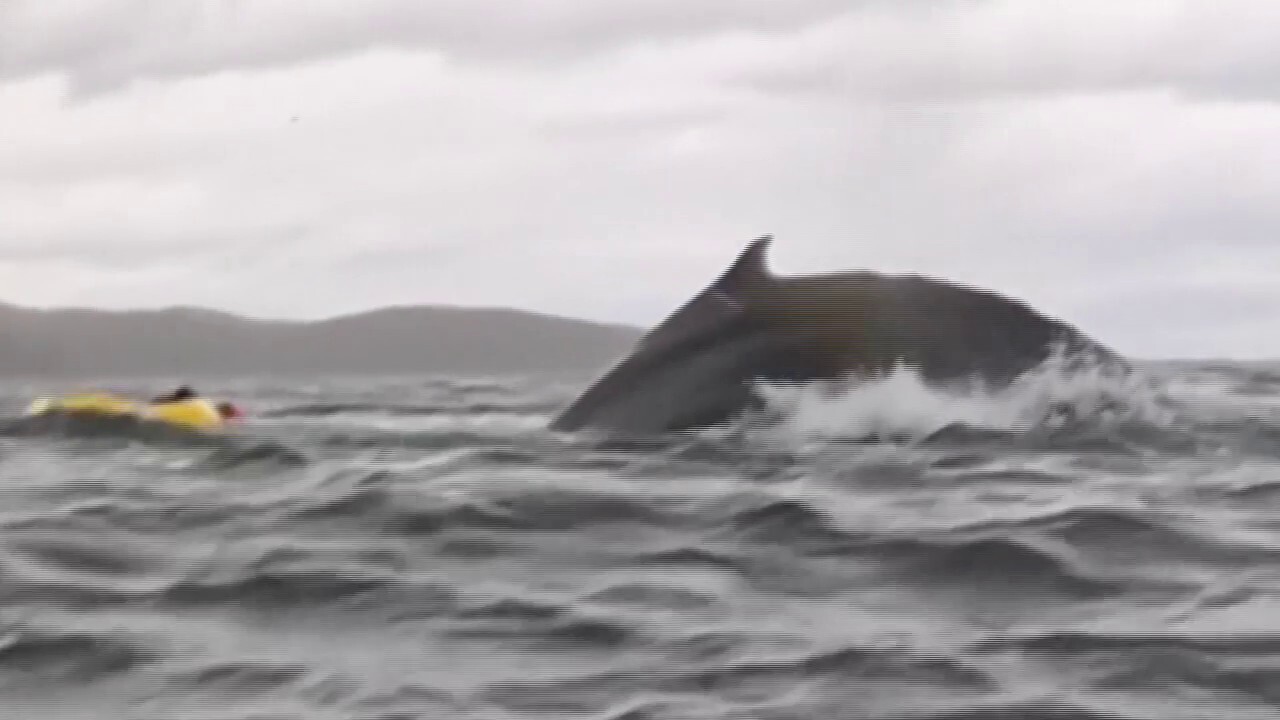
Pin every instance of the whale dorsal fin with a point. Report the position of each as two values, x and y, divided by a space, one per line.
748 269
722 300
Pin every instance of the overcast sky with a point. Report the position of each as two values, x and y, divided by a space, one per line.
1114 163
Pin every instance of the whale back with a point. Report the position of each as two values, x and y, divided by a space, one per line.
696 367
858 321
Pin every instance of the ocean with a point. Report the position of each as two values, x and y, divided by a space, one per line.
421 547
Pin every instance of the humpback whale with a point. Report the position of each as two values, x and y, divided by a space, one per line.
696 367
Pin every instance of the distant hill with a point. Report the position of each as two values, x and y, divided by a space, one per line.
197 342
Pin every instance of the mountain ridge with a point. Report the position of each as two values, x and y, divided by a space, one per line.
191 340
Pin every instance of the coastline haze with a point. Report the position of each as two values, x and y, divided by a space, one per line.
187 342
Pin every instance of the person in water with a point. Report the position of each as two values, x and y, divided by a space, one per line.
184 392
227 410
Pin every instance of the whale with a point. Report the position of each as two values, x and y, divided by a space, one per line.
699 367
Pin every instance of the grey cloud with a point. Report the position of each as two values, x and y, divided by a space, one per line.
102 45
1006 48
890 50
632 123
109 248
614 189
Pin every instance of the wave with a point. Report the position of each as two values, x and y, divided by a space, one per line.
900 404
45 656
1060 406
1081 547
460 407
737 684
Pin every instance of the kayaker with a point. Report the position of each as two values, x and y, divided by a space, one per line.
228 411
184 392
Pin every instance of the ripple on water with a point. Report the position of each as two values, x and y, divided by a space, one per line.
47 657
395 551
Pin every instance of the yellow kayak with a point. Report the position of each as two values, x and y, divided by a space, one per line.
193 414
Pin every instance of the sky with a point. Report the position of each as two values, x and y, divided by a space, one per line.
1113 164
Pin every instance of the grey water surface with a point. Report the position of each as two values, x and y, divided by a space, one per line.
424 548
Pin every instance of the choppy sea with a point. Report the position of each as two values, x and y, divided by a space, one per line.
395 548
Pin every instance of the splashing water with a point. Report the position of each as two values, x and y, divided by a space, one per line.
900 404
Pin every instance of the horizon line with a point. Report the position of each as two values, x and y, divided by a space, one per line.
447 307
